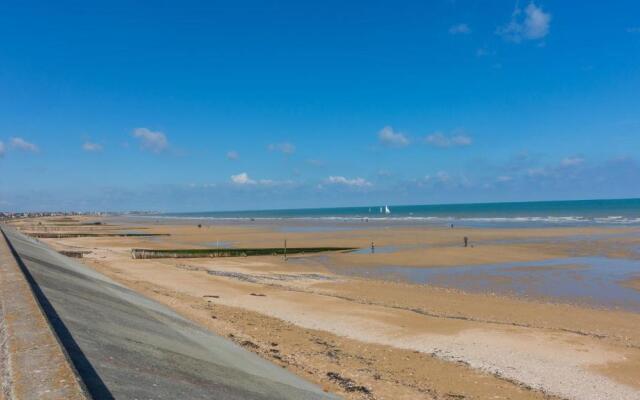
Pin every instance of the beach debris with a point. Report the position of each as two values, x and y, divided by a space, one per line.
249 343
347 384
261 278
214 296
258 294
333 353
199 225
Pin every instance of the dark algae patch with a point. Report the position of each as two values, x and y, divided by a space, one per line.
213 253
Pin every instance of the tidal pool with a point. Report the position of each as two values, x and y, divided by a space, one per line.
592 280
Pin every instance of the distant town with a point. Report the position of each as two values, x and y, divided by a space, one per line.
15 215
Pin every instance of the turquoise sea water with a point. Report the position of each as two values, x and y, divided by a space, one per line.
574 212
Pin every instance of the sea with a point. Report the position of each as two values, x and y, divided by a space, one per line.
515 214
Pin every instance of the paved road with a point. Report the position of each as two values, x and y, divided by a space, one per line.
126 346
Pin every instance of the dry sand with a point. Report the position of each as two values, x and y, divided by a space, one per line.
370 339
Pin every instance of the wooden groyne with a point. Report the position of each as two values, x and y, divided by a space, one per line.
214 253
63 235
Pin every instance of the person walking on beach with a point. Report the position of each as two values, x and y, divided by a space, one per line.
466 241
373 248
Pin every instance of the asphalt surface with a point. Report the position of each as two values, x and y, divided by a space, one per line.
125 346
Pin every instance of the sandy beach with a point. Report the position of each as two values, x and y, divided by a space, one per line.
375 335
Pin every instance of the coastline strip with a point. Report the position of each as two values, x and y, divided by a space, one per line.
125 345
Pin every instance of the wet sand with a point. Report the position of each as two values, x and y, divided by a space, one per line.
633 283
365 338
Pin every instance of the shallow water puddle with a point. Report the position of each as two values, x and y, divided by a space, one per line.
592 280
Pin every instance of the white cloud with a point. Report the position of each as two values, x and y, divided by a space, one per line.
284 147
242 179
439 139
91 147
341 180
149 140
21 144
2 149
460 29
233 155
532 25
571 161
504 178
388 137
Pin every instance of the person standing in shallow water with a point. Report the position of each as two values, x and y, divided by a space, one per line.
466 241
373 248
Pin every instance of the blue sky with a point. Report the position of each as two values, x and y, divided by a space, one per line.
182 106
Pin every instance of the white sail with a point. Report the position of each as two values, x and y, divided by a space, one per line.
386 210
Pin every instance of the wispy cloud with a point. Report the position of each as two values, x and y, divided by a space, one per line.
460 29
532 24
388 137
353 182
2 149
443 180
315 162
233 155
91 147
22 145
440 176
154 141
284 147
439 139
572 161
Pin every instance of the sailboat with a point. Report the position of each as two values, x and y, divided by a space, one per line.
386 210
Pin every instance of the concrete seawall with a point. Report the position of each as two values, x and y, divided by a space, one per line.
33 364
126 346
